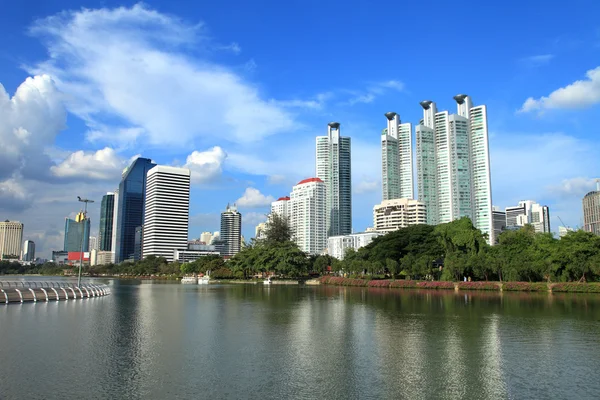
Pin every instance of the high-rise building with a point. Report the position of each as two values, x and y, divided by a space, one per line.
206 237
308 215
93 241
11 238
334 168
28 251
281 207
499 218
396 159
77 234
167 210
529 212
453 168
129 206
394 214
229 242
105 231
591 211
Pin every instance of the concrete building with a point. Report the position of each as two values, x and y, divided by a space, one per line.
281 207
230 240
93 241
529 212
591 211
564 230
338 245
453 166
167 209
105 230
129 207
394 214
396 159
60 257
499 218
11 238
259 231
308 215
334 168
77 233
28 251
206 237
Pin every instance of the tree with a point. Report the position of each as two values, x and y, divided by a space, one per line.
278 229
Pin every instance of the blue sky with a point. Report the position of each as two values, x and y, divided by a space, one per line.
237 93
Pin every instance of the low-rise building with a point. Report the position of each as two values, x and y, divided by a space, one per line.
337 246
394 214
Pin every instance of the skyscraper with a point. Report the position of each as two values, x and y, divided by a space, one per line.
167 211
308 215
105 231
591 211
130 207
334 169
529 212
28 251
453 168
281 207
93 243
230 237
11 238
77 234
397 160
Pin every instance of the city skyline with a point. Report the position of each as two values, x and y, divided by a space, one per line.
254 136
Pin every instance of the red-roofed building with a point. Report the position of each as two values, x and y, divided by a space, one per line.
308 180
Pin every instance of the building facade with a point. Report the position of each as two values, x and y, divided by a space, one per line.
529 212
167 209
453 167
130 207
229 242
28 251
308 215
396 159
394 214
206 237
591 212
334 168
105 234
280 207
77 234
11 238
499 218
93 243
337 246
564 231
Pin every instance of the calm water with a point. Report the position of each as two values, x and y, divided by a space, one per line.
173 341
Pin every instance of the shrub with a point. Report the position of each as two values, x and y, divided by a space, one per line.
572 287
435 285
403 284
478 286
525 286
379 283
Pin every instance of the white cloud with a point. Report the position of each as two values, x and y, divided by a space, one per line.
316 103
366 187
253 218
573 187
206 165
537 60
104 164
373 91
253 198
29 121
233 47
276 179
13 196
579 94
134 65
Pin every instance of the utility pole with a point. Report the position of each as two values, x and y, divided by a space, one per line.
86 201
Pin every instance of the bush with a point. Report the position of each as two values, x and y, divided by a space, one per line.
525 286
403 284
435 285
573 287
478 286
380 283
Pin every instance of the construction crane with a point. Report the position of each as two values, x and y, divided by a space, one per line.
561 221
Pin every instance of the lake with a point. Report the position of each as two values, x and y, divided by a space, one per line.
155 340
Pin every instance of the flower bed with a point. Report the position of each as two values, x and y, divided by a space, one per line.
525 286
435 285
572 287
478 286
403 284
379 283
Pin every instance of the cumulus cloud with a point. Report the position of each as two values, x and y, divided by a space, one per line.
573 187
579 94
104 164
253 198
29 121
134 66
253 218
13 196
206 165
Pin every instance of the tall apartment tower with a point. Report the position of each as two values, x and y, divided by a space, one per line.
11 238
335 170
230 236
130 208
105 231
308 215
396 158
453 167
77 233
591 211
28 251
281 207
166 211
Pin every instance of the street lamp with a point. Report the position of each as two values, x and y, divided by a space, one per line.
86 201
